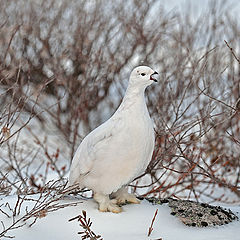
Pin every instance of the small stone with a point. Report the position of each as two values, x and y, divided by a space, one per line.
204 224
165 201
213 212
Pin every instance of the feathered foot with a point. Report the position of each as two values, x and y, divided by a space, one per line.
105 204
122 196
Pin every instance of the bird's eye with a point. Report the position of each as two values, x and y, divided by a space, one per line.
143 74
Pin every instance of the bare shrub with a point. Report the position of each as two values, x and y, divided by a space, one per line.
65 66
30 207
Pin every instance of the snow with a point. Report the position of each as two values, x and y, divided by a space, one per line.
132 224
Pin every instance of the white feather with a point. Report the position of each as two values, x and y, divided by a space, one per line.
120 149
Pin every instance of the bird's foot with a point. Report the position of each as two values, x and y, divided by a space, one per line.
122 196
110 206
105 204
127 198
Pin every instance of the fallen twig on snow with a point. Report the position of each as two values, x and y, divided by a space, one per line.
151 227
86 225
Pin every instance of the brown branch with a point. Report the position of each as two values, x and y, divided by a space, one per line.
233 53
151 226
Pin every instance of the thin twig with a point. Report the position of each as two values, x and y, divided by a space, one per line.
233 53
151 227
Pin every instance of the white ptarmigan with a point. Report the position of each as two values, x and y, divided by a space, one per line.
120 149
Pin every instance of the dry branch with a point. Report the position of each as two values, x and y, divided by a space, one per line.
68 74
151 227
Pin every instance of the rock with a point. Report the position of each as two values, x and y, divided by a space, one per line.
197 214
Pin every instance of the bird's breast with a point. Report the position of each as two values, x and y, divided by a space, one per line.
139 135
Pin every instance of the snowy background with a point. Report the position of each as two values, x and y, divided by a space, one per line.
63 71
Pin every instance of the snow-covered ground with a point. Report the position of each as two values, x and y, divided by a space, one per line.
131 224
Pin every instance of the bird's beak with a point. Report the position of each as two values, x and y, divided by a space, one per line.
152 77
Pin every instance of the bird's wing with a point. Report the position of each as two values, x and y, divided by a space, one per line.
95 141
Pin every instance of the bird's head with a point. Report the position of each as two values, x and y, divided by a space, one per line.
143 76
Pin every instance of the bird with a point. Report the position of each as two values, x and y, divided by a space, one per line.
119 150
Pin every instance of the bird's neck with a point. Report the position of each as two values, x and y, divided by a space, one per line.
134 92
133 97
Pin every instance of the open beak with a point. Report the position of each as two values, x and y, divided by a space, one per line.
152 77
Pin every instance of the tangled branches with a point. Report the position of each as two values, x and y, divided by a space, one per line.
63 71
29 207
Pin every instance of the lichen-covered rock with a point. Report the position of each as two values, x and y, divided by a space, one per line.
197 214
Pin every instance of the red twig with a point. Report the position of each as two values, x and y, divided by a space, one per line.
151 227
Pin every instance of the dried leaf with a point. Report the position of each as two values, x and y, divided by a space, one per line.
84 213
